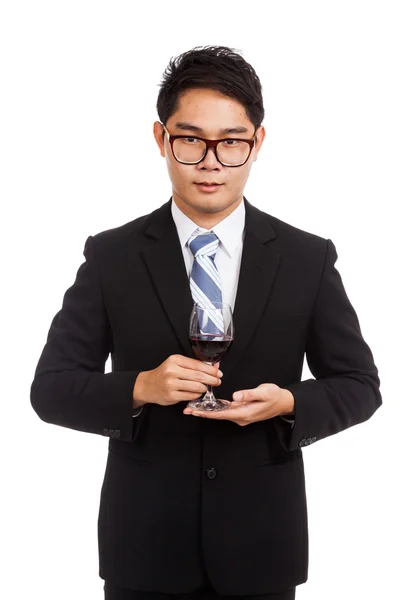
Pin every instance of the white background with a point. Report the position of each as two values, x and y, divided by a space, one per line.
79 83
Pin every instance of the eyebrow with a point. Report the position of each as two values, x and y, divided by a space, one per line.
189 127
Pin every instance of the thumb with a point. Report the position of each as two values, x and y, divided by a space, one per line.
244 395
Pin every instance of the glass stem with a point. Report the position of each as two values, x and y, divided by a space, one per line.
209 395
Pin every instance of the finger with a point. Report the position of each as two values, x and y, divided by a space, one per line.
200 376
201 413
186 385
196 365
188 410
186 396
230 414
247 395
235 404
218 415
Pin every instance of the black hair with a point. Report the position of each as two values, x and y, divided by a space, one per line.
214 67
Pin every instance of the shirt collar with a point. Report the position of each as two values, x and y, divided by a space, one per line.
229 230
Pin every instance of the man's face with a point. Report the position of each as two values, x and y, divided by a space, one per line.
212 112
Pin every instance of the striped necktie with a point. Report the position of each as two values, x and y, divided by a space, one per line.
205 282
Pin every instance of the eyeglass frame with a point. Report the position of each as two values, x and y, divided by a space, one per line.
209 144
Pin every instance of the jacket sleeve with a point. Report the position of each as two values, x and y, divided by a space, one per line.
70 387
345 390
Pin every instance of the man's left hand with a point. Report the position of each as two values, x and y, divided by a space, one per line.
249 406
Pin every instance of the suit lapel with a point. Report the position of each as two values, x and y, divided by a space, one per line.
165 262
166 265
257 271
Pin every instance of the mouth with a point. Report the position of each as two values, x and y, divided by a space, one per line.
209 186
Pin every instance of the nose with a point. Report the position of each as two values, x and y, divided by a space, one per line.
210 159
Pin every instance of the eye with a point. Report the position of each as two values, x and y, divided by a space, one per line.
190 139
233 142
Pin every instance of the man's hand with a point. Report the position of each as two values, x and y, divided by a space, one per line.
177 379
248 406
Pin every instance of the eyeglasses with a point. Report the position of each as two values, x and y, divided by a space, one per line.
190 150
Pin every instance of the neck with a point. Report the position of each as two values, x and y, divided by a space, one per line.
207 220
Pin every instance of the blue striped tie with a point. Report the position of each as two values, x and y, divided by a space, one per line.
205 282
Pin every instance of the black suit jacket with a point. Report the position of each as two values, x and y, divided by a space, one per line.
183 496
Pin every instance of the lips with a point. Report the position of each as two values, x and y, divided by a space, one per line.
207 183
208 187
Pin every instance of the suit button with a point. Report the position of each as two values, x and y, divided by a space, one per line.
105 432
303 442
117 433
211 473
313 439
111 433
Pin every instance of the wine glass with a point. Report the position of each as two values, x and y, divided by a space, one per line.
210 334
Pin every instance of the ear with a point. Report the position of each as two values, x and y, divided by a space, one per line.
259 141
158 136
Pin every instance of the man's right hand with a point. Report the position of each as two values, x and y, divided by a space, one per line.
177 379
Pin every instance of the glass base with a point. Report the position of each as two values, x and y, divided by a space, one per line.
209 405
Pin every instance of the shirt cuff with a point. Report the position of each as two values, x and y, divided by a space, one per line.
288 419
137 411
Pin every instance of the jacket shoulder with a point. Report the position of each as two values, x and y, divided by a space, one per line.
297 245
118 237
288 232
115 234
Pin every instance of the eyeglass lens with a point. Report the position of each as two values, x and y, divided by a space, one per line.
230 152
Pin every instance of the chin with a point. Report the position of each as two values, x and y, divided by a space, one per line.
213 209
210 206
206 205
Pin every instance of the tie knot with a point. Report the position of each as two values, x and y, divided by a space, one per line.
204 244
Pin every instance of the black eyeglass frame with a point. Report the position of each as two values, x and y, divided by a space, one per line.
209 144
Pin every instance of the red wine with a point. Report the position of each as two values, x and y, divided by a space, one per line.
209 347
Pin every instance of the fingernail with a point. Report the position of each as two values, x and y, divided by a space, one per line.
220 373
238 396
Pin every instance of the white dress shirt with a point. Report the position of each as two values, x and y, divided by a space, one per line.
230 232
228 257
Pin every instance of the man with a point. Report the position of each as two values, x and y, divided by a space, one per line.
215 505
